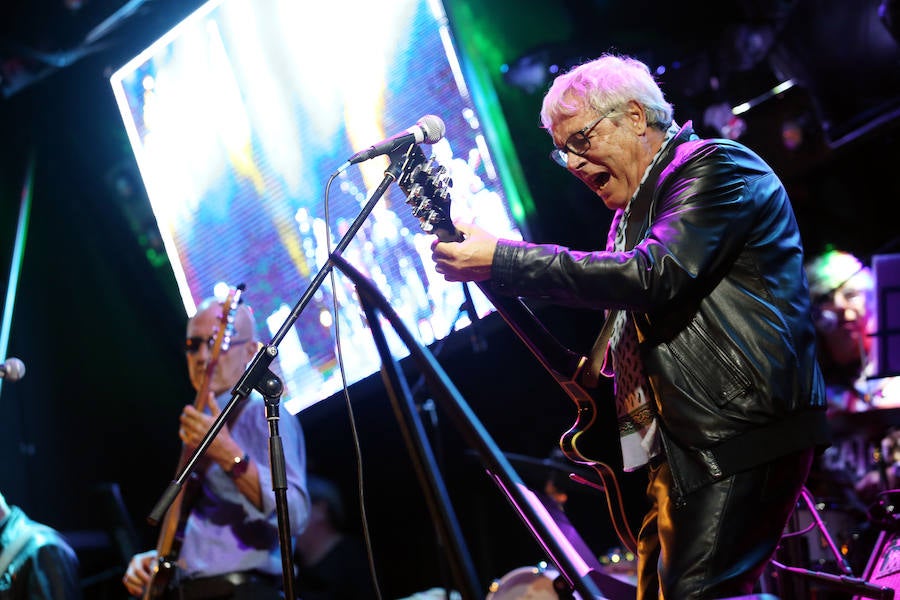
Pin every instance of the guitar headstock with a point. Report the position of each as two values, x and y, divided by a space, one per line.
427 184
225 331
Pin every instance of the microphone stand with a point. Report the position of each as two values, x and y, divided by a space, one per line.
580 569
258 376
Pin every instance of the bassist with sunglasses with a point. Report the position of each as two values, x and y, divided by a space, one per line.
226 544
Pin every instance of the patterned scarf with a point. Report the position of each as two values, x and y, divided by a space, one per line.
635 412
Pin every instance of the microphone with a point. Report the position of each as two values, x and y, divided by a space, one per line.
429 129
12 369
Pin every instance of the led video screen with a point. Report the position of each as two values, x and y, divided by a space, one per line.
239 115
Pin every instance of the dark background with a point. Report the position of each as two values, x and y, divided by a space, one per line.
99 323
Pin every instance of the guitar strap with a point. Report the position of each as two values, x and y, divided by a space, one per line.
597 356
637 224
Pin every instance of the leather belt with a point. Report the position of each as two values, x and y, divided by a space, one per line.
223 585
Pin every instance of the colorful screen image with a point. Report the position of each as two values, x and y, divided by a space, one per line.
239 117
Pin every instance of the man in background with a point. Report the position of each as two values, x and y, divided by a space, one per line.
862 458
332 563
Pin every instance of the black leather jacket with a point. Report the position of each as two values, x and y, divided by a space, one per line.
715 284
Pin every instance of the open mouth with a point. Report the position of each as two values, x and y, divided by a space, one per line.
601 180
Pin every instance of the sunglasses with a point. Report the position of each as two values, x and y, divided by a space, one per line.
192 344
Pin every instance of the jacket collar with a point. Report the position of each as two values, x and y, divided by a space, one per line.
640 209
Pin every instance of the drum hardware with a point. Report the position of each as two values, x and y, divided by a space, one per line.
844 580
538 582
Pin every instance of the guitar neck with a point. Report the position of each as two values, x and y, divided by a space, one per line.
426 185
562 363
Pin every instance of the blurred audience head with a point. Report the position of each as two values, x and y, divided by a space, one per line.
842 290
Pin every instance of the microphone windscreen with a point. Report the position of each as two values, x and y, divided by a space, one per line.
433 127
14 369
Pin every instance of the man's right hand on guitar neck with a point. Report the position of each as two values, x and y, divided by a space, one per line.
140 571
468 260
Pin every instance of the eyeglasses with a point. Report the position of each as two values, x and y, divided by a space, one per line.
577 143
192 344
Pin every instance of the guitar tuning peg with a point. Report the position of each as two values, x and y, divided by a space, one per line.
415 192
